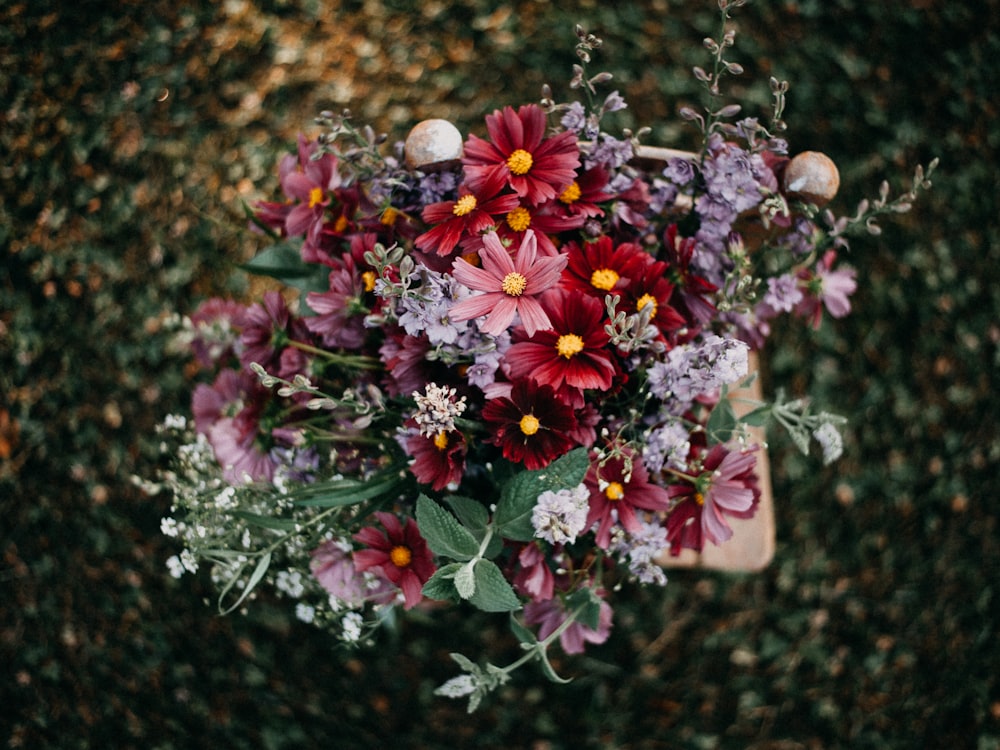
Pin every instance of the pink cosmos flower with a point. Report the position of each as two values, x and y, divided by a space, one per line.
510 286
827 288
333 567
537 168
310 186
399 554
533 576
727 486
549 614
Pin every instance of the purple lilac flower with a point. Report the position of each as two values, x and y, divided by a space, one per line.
437 187
830 440
610 152
667 446
681 172
558 517
782 295
426 311
640 550
697 369
614 102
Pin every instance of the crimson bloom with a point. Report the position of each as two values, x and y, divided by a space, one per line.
571 356
537 168
437 461
531 425
400 555
511 286
310 186
466 217
600 267
617 488
580 198
726 486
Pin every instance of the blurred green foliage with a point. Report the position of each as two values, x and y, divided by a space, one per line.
130 135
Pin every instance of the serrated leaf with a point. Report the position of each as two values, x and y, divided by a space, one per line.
441 585
471 513
442 531
465 580
493 592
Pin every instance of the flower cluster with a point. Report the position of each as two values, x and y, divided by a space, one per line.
502 383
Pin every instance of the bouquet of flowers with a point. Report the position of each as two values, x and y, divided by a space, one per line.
502 380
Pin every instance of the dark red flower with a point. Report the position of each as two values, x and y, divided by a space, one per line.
580 198
572 355
651 287
537 168
600 267
438 461
531 425
400 555
691 292
468 216
618 487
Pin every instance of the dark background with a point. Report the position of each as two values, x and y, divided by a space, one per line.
130 133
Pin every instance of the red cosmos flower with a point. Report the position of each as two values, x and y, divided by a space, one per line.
580 198
600 268
541 220
400 555
727 486
438 461
531 424
651 287
537 168
510 286
468 216
571 356
617 487
692 292
310 186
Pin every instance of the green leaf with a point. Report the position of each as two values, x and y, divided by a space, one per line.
522 633
441 585
722 420
283 261
493 593
520 494
444 534
268 522
589 605
258 573
465 580
471 513
758 417
350 491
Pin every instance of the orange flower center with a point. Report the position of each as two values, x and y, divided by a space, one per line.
465 204
614 491
441 440
400 556
647 299
571 194
389 216
315 197
604 279
699 498
530 424
514 284
368 279
341 224
569 344
519 219
520 162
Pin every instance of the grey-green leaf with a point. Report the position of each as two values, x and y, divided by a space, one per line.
444 534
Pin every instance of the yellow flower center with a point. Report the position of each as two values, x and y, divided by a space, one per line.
569 344
604 279
520 162
341 224
315 197
519 219
614 491
464 205
647 299
389 216
441 440
514 284
571 194
699 498
400 556
368 279
530 424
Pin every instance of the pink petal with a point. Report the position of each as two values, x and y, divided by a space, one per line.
473 307
533 316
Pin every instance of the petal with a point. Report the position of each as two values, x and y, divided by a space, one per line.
533 316
502 316
476 278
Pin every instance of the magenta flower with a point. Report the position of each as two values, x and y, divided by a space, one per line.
510 286
827 288
310 186
400 555
333 567
549 614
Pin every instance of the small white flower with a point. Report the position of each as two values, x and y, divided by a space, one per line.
305 612
168 527
175 566
352 626
830 440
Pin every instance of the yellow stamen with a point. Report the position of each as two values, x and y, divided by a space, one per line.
519 219
389 216
368 279
400 556
699 498
530 424
315 197
571 194
464 205
441 440
514 284
519 162
614 491
604 279
341 224
647 299
569 344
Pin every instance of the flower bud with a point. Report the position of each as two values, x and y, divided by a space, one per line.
432 144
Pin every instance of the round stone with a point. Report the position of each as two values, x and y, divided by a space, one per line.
811 177
432 144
